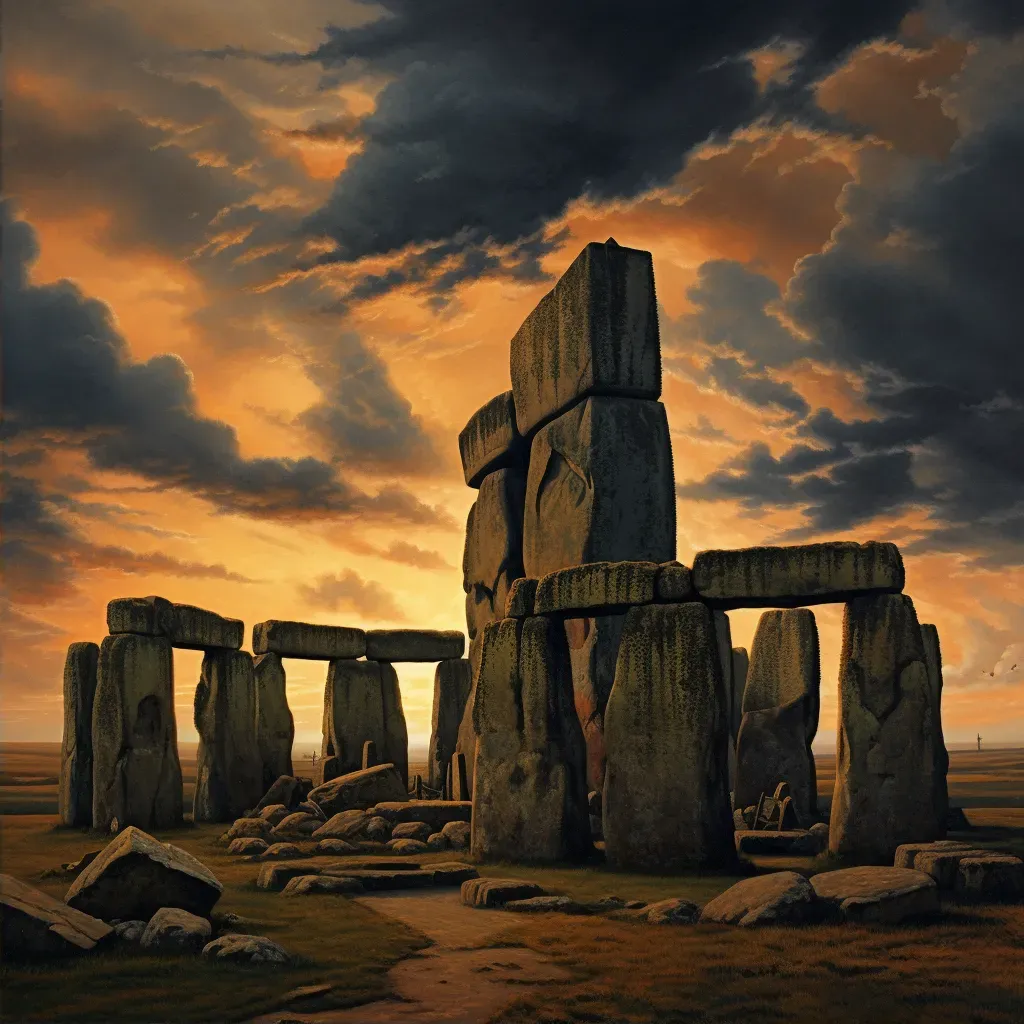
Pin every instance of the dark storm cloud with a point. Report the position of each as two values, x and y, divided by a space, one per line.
919 293
349 592
69 374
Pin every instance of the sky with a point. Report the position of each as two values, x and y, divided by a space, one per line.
262 261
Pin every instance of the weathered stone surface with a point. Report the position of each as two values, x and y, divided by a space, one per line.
885 774
943 865
790 843
282 851
933 663
412 830
246 949
286 790
353 713
666 802
378 829
906 854
879 894
274 877
671 911
600 488
136 772
674 583
529 789
247 828
334 848
436 842
36 925
314 809
457 834
459 778
546 905
740 668
597 586
307 640
414 644
136 875
496 892
493 555
74 795
406 846
298 822
453 680
466 742
491 440
249 847
275 727
130 931
229 769
595 332
360 789
306 885
343 825
789 577
172 930
396 734
780 712
991 876
519 603
723 642
783 897
436 813
183 624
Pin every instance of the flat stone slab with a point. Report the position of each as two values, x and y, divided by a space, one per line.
783 897
274 877
939 859
360 790
184 625
496 892
414 644
307 885
386 878
991 876
547 905
674 582
521 595
136 875
35 924
596 586
307 640
435 813
791 843
491 439
877 894
791 577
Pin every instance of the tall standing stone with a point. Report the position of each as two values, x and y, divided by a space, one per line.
780 712
353 714
466 742
529 787
740 668
396 733
493 556
74 797
229 769
275 727
888 733
723 639
452 682
666 797
933 662
136 772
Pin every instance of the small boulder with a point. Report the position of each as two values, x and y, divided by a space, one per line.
304 885
274 814
334 848
991 876
377 830
274 877
436 813
130 931
136 875
783 897
906 854
436 842
877 894
407 846
247 828
672 911
247 847
298 823
361 789
172 930
343 825
457 833
546 905
245 949
412 830
496 892
35 924
281 851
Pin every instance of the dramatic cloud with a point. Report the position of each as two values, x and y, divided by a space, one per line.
409 554
349 592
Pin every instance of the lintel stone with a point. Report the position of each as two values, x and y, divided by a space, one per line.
184 625
307 640
491 440
596 586
414 644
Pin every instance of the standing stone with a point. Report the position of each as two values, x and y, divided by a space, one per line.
353 714
184 625
596 331
885 770
666 798
529 787
229 769
466 742
780 713
74 797
452 682
493 556
740 668
396 735
136 772
275 727
370 759
933 662
723 639
459 779
491 440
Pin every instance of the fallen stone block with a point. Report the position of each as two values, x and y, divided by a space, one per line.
274 814
452 873
300 823
307 640
247 847
671 911
496 892
362 789
877 894
247 828
790 843
136 875
491 440
172 930
783 897
674 583
906 854
435 813
282 851
286 790
547 905
306 885
343 825
334 848
34 924
274 877
414 644
74 793
995 877
596 331
596 586
793 577
412 830
384 880
183 624
406 846
246 949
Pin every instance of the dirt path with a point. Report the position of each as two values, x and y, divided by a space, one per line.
450 981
